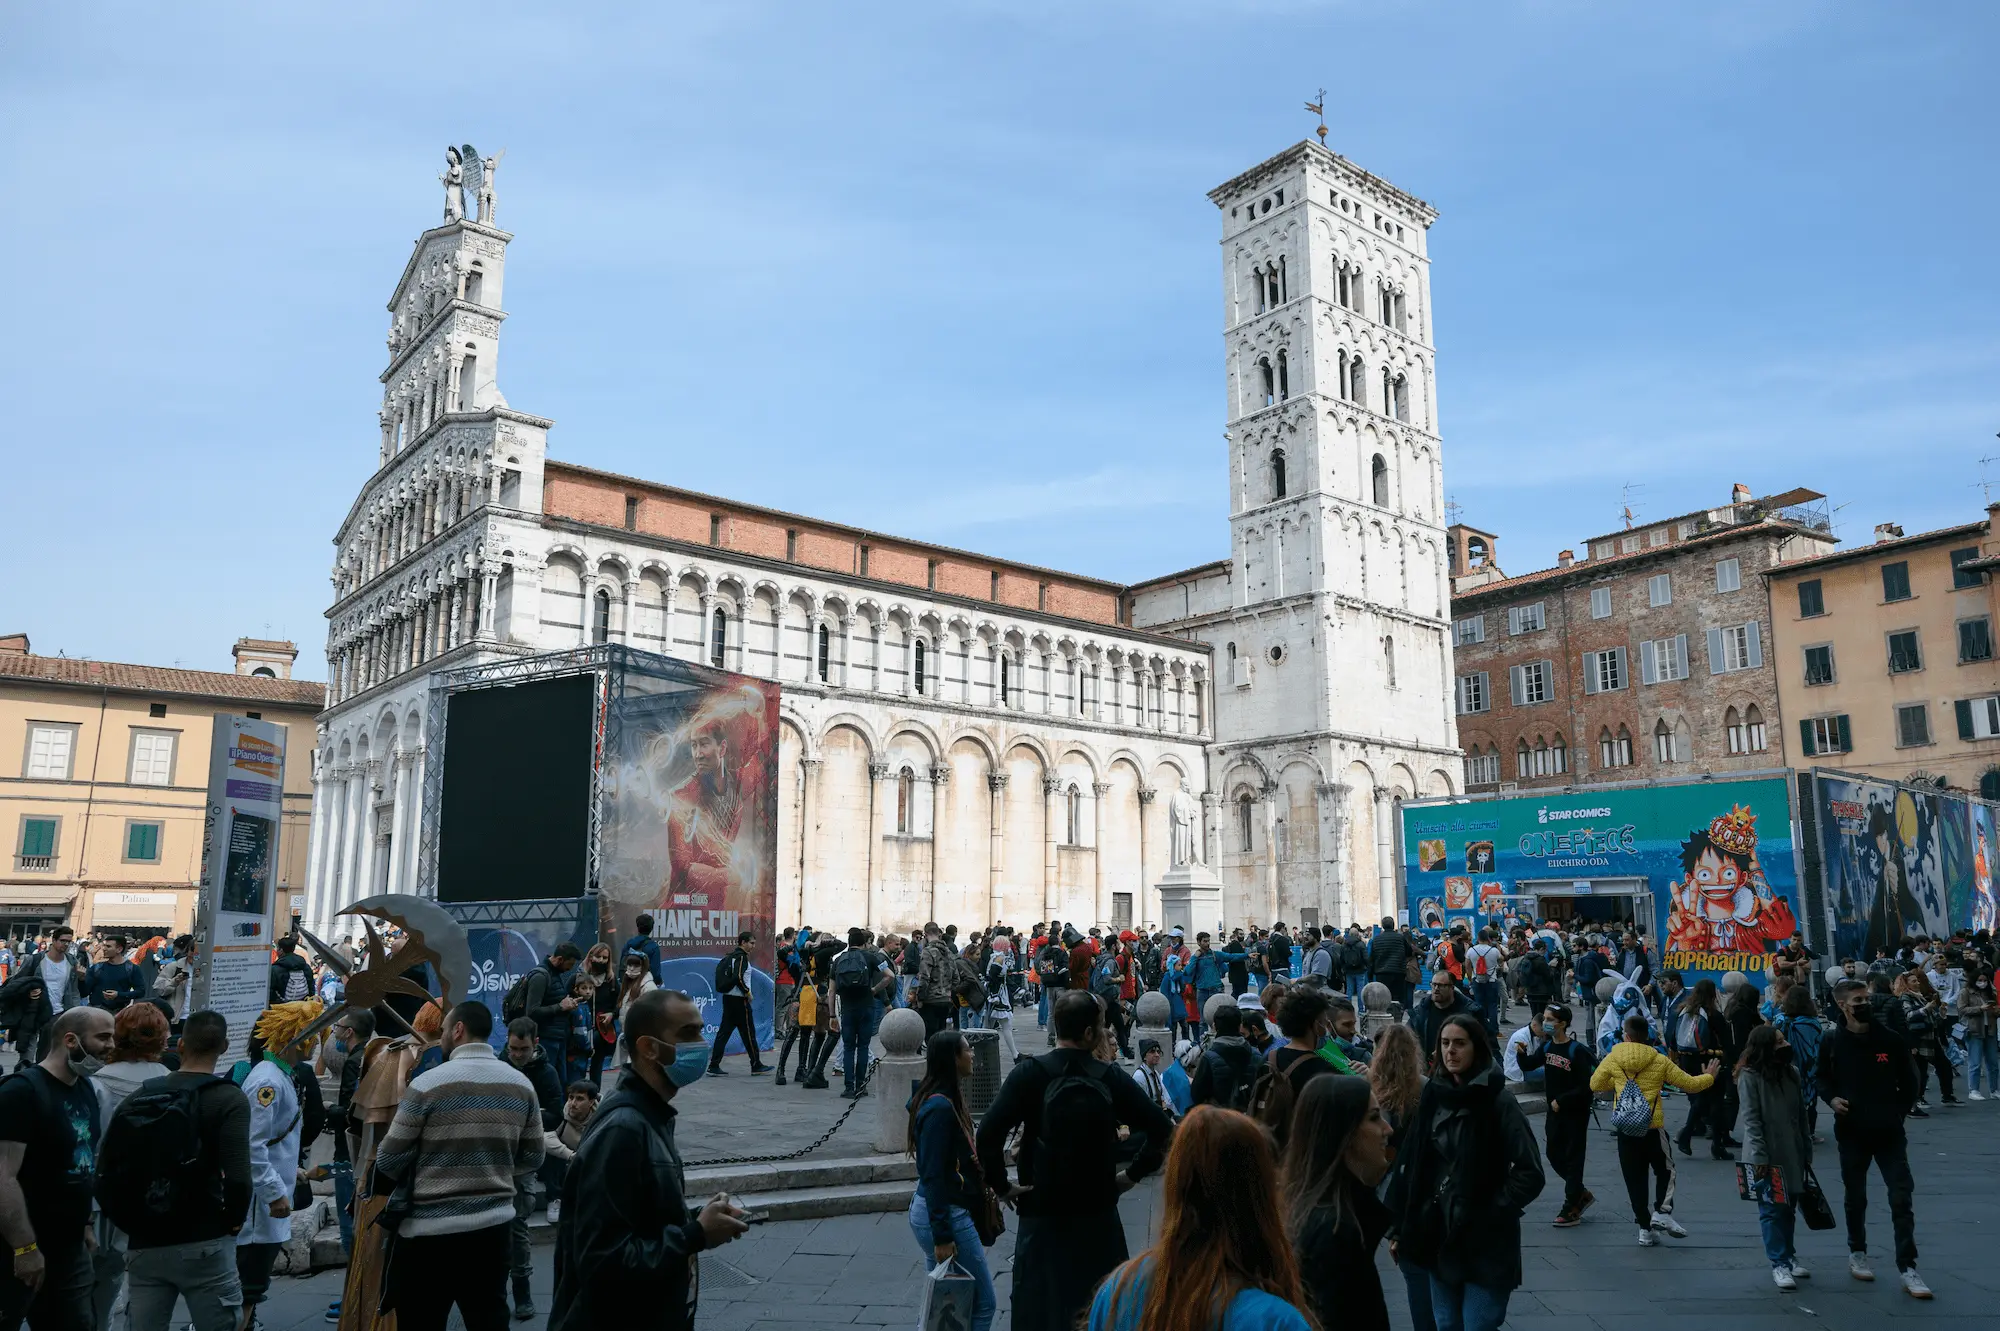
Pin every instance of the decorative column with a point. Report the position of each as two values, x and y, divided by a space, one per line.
456 615
878 777
1101 890
1142 898
356 800
704 628
808 826
1271 854
1051 886
847 653
940 782
669 604
408 850
1336 905
1385 862
316 851
1117 716
625 622
996 782
1211 829
589 610
399 825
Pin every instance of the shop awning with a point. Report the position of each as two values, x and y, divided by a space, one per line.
147 910
16 897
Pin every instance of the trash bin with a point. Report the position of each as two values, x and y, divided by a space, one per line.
984 1087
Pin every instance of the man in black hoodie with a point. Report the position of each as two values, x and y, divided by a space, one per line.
1566 1064
291 977
1866 1076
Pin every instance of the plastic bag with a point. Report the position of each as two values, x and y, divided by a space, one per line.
949 1295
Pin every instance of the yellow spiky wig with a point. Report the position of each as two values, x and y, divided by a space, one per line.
282 1023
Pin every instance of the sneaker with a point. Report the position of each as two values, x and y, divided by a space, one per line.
1857 1266
718 1072
1975 1095
1923 1102
1781 1276
1647 1239
1567 1219
555 1211
1666 1224
1799 1271
1920 1111
333 1312
1589 1200
1913 1284
1951 1101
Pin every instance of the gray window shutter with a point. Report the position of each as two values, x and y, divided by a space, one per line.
1716 665
1756 645
1681 654
1516 687
1590 672
1964 709
1622 671
1806 738
1649 662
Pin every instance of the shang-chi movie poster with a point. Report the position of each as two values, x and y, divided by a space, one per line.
690 808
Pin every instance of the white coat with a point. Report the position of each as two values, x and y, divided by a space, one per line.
275 1123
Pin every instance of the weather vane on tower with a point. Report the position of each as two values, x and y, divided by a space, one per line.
1318 108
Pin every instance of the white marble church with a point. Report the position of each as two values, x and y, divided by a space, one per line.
965 738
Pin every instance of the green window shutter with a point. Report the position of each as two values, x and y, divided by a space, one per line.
1846 740
1964 709
38 836
1806 738
142 841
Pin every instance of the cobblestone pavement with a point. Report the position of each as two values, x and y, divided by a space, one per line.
863 1270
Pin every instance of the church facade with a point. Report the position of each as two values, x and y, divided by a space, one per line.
964 738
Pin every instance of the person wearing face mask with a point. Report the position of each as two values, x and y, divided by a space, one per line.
1867 1078
626 1239
49 1131
41 989
277 1139
1776 1145
1337 1153
1566 1063
465 1131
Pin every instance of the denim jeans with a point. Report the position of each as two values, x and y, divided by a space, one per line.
1486 993
857 1028
1777 1219
343 1201
971 1256
1417 1286
203 1273
1983 1052
1467 1307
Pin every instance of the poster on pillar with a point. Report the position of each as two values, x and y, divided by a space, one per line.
239 867
689 807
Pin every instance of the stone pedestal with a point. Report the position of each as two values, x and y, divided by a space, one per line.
896 1077
1191 897
1154 1015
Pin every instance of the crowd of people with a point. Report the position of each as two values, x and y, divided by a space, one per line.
1310 1098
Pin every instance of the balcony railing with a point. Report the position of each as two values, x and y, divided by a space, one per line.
34 863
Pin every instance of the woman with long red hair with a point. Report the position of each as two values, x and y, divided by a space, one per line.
1223 1261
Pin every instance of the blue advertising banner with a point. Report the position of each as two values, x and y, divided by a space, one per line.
1708 864
509 939
1902 861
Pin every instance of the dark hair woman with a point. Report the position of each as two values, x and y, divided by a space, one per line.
1338 1152
948 1180
603 1008
1222 1262
1777 1142
1697 1033
1467 1169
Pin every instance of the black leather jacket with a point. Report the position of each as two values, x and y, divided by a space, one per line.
626 1248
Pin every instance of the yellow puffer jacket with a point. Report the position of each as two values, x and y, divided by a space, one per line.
1651 1069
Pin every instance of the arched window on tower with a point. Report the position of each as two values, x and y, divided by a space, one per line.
468 382
1006 679
1378 472
1357 382
1284 283
1074 806
718 639
920 663
906 801
1277 473
1388 391
824 654
1389 659
1284 376
1246 822
1402 397
1257 276
475 286
1269 380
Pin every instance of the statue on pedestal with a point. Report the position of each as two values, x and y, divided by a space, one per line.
1184 821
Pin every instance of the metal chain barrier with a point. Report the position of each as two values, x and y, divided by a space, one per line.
803 1151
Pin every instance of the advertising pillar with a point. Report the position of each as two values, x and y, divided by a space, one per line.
239 871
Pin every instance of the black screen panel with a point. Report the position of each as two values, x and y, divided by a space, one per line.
515 817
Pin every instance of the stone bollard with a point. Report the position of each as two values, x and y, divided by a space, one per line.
1378 1009
1733 981
896 1077
1154 1023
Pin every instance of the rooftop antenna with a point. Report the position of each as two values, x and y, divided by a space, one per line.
1985 481
1453 511
1625 497
1318 108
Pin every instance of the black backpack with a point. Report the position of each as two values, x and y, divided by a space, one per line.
1536 976
1354 956
1229 1088
728 972
1079 1128
852 970
150 1170
515 1005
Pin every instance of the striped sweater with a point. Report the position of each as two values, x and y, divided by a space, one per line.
465 1130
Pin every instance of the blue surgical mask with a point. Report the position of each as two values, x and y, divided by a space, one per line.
689 1065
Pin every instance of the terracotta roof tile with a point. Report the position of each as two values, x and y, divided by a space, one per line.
63 670
1588 569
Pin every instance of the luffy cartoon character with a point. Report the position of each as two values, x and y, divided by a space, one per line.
1722 903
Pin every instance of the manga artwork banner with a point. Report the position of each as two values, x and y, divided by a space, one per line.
1902 861
1710 863
690 822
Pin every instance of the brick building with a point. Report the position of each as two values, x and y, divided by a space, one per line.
1649 657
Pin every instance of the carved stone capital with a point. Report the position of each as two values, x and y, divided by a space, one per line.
879 771
940 774
811 764
1101 788
1052 785
1146 794
996 781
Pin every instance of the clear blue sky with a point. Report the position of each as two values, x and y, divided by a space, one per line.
948 270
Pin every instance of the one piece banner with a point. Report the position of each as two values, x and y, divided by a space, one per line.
239 868
1709 863
1902 861
690 824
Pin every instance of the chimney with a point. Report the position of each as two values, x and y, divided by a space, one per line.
1739 493
13 644
1565 559
1887 531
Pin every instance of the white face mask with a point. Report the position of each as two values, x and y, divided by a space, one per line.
80 1063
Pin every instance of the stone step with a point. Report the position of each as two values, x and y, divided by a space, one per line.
841 1199
791 1175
